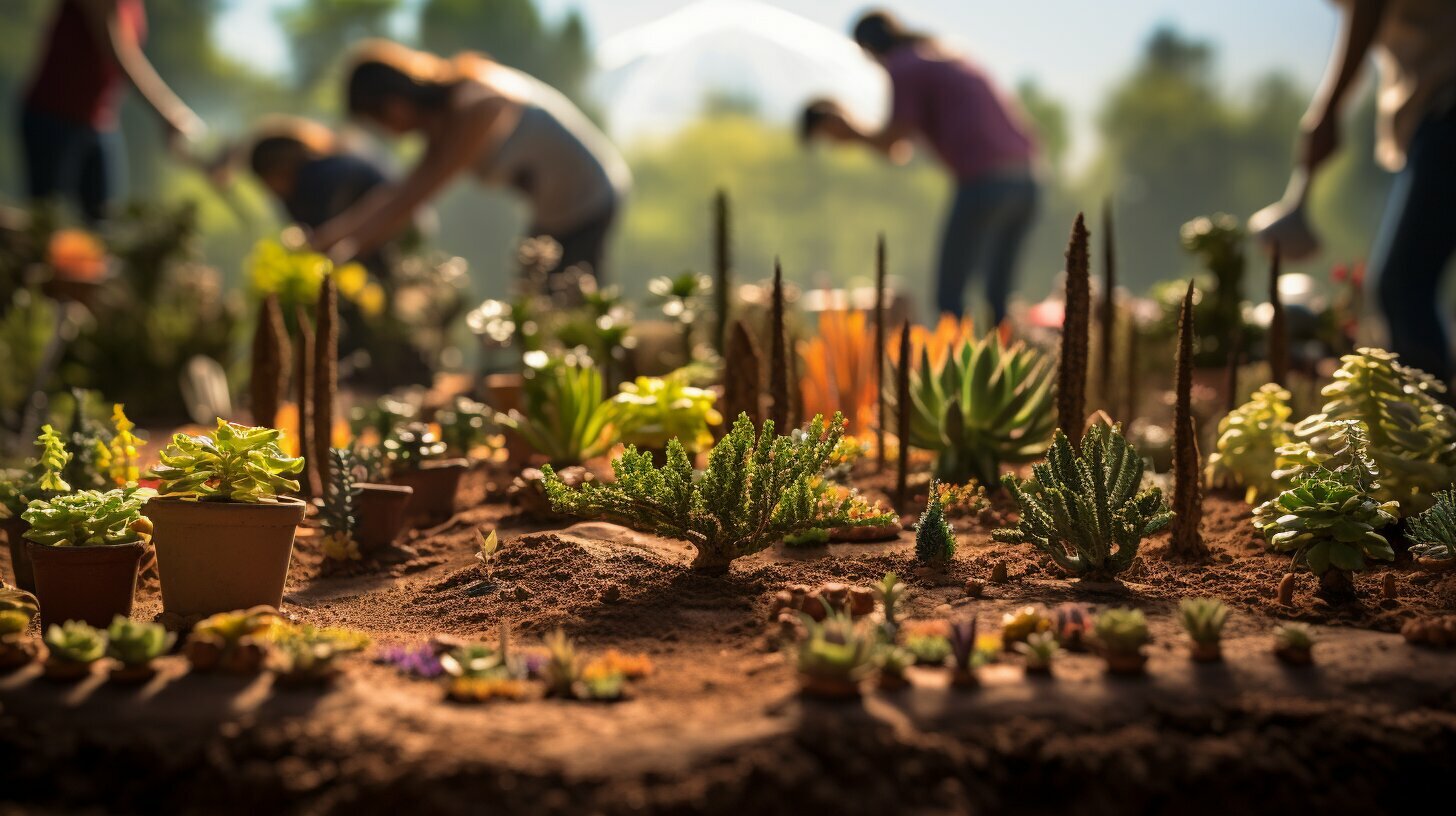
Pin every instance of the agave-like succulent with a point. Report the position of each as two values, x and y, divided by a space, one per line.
75 642
985 404
566 414
1412 432
1084 509
1432 533
1203 619
1248 440
835 654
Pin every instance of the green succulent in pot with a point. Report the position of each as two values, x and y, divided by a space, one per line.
17 609
1120 635
135 646
986 404
566 414
224 530
74 647
1249 438
1086 509
86 547
1203 619
89 518
410 445
834 656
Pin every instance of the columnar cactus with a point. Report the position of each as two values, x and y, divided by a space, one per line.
1072 366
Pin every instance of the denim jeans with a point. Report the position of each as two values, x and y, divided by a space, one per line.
71 162
987 224
1417 239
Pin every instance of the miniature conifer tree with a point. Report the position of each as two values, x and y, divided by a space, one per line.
934 536
1072 374
1187 538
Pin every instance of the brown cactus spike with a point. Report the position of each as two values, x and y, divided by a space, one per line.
722 285
1186 541
778 384
902 422
1072 366
1108 312
325 371
271 360
1278 327
303 392
880 351
742 378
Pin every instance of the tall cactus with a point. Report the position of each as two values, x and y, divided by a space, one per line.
303 393
722 258
1187 537
1108 313
1072 373
880 351
902 420
742 375
778 375
325 370
1278 327
268 379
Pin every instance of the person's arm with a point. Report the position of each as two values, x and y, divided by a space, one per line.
121 45
388 210
893 140
1321 123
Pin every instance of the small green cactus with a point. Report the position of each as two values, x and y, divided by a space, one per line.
835 655
1122 631
75 642
1039 649
935 542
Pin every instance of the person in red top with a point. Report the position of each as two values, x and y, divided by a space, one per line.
68 119
947 102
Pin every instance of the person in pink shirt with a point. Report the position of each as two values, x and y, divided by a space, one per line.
946 102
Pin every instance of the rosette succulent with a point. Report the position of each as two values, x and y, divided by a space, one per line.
1248 440
1432 533
652 410
985 404
233 463
88 518
1411 431
132 643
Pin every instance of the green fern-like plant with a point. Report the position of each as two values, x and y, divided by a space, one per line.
758 488
1085 509
935 543
1412 432
1432 533
1248 440
987 403
566 416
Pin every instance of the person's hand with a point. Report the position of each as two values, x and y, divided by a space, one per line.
1319 142
182 130
835 127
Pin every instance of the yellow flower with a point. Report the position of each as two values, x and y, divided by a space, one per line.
351 279
371 299
340 547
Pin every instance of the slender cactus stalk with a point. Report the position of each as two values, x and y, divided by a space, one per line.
722 284
778 374
325 373
880 351
1108 317
271 352
1072 374
1231 374
742 377
902 421
308 480
1187 538
1278 327
1131 379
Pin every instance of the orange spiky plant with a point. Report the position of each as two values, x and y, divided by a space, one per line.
947 334
839 370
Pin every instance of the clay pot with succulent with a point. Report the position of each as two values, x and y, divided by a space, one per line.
835 657
135 648
1120 635
44 479
1039 649
73 648
965 656
223 530
1294 644
1203 619
414 457
17 609
84 550
309 655
234 642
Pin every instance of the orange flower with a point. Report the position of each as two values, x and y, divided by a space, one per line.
76 254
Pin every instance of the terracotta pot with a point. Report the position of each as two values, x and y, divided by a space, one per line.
14 529
91 584
1206 652
125 675
828 689
380 512
66 671
1294 657
1126 662
221 556
964 678
435 485
507 393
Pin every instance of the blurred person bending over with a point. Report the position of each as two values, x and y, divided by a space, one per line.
68 119
946 101
1414 43
481 118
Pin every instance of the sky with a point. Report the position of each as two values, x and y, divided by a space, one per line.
1074 50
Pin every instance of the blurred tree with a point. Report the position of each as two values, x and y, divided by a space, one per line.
1049 120
513 33
321 31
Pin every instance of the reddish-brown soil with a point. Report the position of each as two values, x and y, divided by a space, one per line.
719 727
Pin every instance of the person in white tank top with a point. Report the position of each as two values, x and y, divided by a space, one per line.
477 116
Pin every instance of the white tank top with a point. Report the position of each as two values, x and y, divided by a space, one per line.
565 167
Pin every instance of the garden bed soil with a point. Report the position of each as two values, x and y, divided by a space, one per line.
720 728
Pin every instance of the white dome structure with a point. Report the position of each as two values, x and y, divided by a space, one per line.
655 78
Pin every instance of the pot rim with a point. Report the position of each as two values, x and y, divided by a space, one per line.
36 545
381 487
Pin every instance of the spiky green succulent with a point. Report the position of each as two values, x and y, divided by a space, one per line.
651 410
134 643
1039 649
1248 440
233 463
1294 636
1085 509
935 542
758 488
1412 432
341 494
1121 630
562 669
75 642
1328 520
88 518
1203 618
889 591
984 405
1432 532
566 414
838 650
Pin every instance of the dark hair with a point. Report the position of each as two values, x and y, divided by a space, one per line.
373 82
814 113
879 33
274 152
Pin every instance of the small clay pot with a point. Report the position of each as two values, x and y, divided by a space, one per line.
91 584
14 530
892 682
1205 652
824 688
133 675
66 671
216 556
964 678
1039 669
435 484
507 393
1125 663
1294 657
17 651
861 601
380 512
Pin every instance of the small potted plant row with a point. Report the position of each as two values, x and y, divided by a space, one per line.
414 457
74 647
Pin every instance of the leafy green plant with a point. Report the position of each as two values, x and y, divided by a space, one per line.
935 542
652 410
410 444
682 299
889 591
566 415
1121 631
1432 533
464 424
52 461
75 642
1410 429
134 643
1217 241
233 463
1084 509
837 653
757 490
1248 440
1294 636
88 518
562 669
983 405
1203 619
928 649
1039 649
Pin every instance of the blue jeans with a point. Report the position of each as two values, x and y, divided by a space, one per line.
987 224
1417 239
70 162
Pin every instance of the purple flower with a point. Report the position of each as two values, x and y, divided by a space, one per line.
417 661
